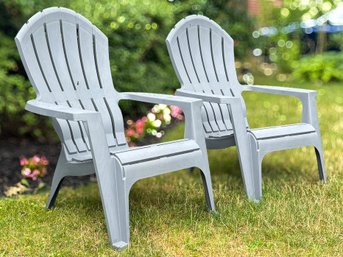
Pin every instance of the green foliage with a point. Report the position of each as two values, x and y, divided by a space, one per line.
232 17
324 68
293 12
139 60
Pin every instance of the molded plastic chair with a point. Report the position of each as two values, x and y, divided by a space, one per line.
202 55
66 59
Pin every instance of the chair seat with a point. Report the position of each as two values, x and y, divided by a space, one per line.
219 134
155 151
283 131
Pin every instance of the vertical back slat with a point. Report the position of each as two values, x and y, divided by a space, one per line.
107 120
217 55
71 53
182 42
86 51
118 120
43 56
193 47
216 115
205 52
67 136
34 71
103 62
54 37
179 66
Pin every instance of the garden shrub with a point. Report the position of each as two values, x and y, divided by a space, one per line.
139 59
320 68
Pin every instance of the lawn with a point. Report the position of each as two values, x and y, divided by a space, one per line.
298 215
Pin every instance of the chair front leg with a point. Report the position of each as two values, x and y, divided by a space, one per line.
193 130
111 186
310 115
243 147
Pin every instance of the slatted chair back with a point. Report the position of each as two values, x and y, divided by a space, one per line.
202 55
66 59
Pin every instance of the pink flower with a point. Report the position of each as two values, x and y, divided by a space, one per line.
140 124
35 172
130 132
44 160
24 161
26 172
176 112
36 159
34 175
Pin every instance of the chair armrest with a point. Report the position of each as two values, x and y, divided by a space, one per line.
219 99
91 119
59 111
307 98
160 98
297 92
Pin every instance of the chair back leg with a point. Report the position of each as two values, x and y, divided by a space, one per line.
63 169
206 179
320 162
60 172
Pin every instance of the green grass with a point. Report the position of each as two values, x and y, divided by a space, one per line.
298 216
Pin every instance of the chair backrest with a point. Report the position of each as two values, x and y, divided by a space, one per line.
67 61
202 54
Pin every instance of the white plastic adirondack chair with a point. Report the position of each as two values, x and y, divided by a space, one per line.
66 59
203 58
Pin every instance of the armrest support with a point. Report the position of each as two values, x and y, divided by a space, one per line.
307 98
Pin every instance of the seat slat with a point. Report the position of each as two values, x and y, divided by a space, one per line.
283 131
146 153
